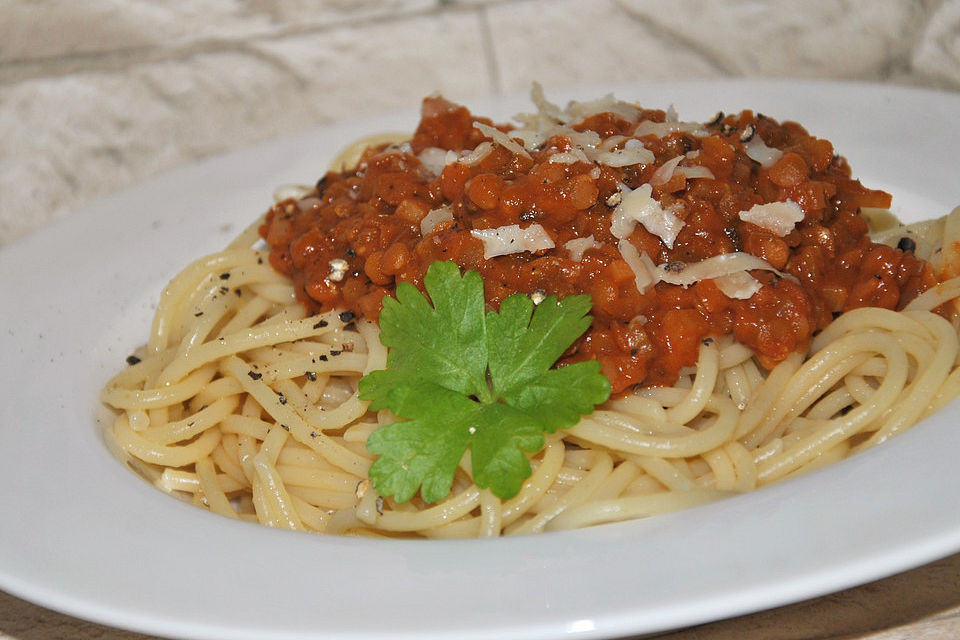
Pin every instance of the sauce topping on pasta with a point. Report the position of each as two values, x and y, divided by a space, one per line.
617 202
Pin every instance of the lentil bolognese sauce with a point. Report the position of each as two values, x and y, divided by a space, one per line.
348 243
747 322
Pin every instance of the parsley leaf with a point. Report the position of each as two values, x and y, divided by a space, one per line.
462 379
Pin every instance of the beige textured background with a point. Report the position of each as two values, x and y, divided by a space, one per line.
100 94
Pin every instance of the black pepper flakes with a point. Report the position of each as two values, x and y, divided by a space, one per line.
321 324
132 360
907 245
334 352
310 375
282 398
285 427
323 358
347 316
707 341
225 276
351 253
254 375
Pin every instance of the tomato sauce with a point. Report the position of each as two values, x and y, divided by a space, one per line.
368 220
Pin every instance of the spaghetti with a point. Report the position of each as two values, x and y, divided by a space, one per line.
244 401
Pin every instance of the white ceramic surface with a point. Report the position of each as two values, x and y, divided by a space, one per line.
82 534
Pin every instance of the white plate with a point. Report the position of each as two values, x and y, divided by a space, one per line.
83 535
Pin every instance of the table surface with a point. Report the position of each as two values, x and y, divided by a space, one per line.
921 604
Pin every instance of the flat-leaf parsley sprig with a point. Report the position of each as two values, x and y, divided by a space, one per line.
464 378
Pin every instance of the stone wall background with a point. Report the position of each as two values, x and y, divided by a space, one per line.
101 94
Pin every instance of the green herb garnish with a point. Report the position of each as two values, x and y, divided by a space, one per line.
462 378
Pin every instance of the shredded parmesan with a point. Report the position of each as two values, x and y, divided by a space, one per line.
577 246
545 108
550 121
633 152
661 129
609 143
306 204
779 218
569 157
433 218
480 152
665 171
434 159
727 270
740 285
686 274
606 104
511 238
502 139
638 205
758 151
696 171
645 273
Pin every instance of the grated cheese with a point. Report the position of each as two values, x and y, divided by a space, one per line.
665 171
661 129
434 159
545 108
758 151
779 218
638 205
606 104
502 139
645 273
686 274
480 152
728 271
510 238
740 285
433 218
577 246
569 157
696 171
633 152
